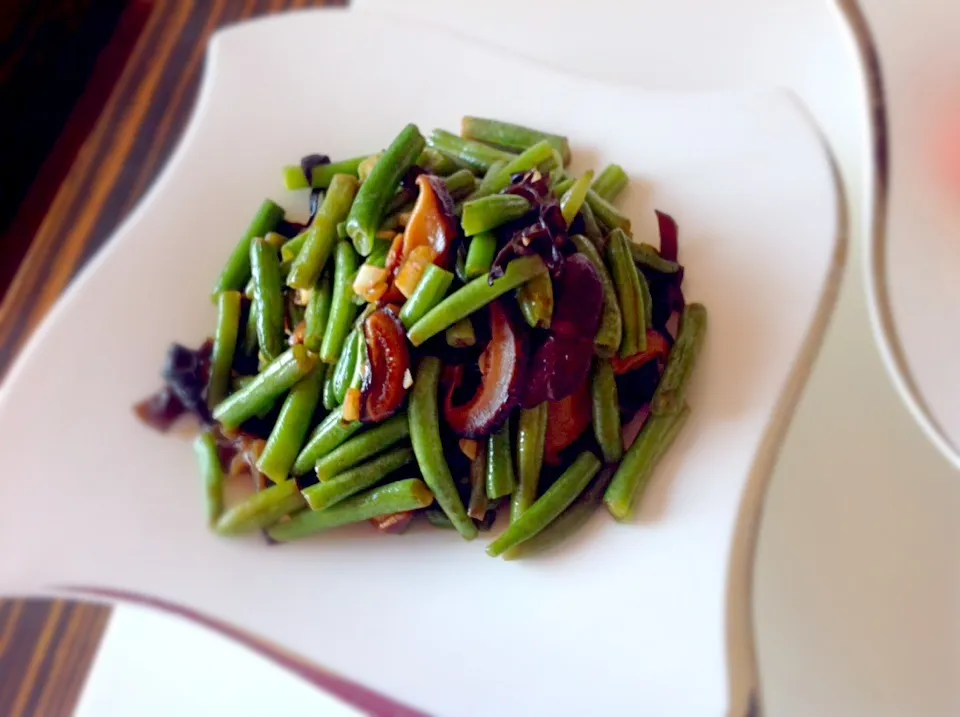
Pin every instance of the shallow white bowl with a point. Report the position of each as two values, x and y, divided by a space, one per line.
626 619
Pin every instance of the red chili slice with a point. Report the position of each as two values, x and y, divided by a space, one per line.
503 366
382 392
658 348
567 419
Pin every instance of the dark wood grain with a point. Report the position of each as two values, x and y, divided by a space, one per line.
46 647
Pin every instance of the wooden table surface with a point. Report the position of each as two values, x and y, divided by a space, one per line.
47 646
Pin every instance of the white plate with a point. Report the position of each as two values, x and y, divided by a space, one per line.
912 270
629 618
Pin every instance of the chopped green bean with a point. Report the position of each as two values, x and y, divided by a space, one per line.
366 166
430 291
262 509
486 213
250 342
357 478
491 174
322 235
364 446
562 185
610 333
569 521
478 504
573 198
268 297
296 416
531 436
550 505
425 436
590 226
539 156
289 251
331 432
397 497
627 282
438 519
536 301
318 312
672 389
281 374
370 206
511 136
208 459
474 295
294 178
224 346
378 257
237 271
606 411
610 182
480 254
607 213
329 398
461 335
460 184
639 462
647 301
476 155
432 161
501 479
346 366
342 309
647 255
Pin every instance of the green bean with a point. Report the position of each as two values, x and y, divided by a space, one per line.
397 497
480 254
249 346
322 175
474 295
627 282
647 301
345 367
237 271
501 479
331 432
425 436
536 301
478 504
541 155
511 136
531 435
289 251
438 519
322 234
646 255
208 459
550 505
460 184
639 462
342 308
607 213
360 477
476 155
364 446
329 398
610 333
461 335
296 416
590 226
268 298
296 313
258 395
569 522
562 185
318 311
606 411
367 165
486 213
573 198
370 206
342 231
670 393
432 161
224 346
378 257
248 289
262 509
491 174
430 291
610 182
